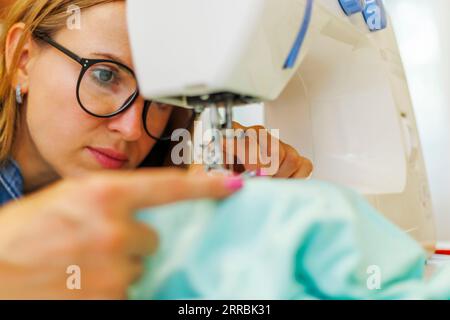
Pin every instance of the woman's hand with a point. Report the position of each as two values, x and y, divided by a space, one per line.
273 157
88 223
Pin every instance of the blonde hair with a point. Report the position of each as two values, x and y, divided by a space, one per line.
44 17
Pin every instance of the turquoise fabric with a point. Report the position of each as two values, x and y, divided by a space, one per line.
280 239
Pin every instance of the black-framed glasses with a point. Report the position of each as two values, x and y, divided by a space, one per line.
106 88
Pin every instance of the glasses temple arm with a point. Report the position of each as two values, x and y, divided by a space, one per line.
50 41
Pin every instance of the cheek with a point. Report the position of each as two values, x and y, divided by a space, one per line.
143 147
60 129
55 121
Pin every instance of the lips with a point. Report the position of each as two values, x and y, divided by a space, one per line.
108 158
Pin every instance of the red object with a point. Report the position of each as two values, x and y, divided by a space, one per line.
444 252
111 153
108 158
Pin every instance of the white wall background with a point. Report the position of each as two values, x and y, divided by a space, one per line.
423 32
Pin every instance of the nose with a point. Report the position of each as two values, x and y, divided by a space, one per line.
129 123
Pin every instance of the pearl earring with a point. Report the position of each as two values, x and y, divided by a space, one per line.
19 98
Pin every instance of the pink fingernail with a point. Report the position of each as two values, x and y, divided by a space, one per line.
263 173
234 183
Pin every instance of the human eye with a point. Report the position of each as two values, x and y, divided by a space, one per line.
164 107
105 76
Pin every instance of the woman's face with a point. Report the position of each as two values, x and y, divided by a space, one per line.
66 138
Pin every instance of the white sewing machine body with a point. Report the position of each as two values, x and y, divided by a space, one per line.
213 46
343 101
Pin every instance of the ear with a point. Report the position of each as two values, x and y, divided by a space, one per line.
21 76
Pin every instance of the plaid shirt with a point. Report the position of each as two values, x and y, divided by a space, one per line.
11 182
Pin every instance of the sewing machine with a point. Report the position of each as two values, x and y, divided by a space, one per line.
329 75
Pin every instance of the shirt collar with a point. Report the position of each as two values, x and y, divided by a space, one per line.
11 178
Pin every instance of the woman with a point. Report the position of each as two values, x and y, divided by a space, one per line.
51 128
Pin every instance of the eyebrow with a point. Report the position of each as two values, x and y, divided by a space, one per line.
110 56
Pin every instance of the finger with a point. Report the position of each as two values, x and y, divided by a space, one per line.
242 151
196 170
199 170
262 150
290 164
127 272
133 190
142 240
137 270
305 170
